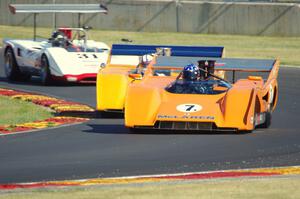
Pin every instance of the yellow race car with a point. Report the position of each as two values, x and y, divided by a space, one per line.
128 63
198 99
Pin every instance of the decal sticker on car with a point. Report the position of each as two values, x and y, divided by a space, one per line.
189 108
87 56
196 117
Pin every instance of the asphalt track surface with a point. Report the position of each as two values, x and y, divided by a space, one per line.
105 148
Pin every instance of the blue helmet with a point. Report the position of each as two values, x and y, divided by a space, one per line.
190 72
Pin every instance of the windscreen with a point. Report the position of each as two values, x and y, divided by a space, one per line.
209 87
125 60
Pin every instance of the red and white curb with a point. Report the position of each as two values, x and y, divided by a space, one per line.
260 172
62 108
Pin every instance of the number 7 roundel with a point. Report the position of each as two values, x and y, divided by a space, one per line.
189 108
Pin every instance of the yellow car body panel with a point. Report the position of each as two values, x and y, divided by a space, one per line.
112 83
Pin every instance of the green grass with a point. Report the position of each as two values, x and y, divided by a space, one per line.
267 188
287 49
14 111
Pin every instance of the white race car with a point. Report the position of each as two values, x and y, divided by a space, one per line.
68 55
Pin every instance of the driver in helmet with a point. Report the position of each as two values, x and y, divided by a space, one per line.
58 39
144 62
191 78
189 82
190 73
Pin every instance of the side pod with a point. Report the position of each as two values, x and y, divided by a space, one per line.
239 108
111 91
141 106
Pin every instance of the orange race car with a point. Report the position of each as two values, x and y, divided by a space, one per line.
129 62
198 99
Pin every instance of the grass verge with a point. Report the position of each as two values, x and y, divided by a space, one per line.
267 188
14 111
286 49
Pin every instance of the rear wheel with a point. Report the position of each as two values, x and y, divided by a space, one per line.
105 114
11 67
133 130
46 77
268 120
25 77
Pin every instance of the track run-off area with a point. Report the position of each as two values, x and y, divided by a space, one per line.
103 147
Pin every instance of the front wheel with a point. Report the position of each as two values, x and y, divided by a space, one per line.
136 130
11 67
46 77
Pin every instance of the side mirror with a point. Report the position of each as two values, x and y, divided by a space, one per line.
220 88
87 27
255 78
135 76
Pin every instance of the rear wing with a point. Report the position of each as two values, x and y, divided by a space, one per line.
126 54
190 51
226 64
222 64
56 8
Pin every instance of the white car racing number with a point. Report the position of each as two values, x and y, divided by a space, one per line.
189 108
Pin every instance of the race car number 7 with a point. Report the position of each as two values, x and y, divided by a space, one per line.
189 108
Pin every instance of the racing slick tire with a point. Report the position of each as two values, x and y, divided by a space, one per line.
105 114
136 130
46 77
268 120
133 130
254 125
11 67
26 77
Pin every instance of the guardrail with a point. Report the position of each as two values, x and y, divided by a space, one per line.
276 17
237 1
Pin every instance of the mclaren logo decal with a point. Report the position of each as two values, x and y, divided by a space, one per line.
189 108
196 117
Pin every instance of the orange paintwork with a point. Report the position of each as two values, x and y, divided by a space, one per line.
149 102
